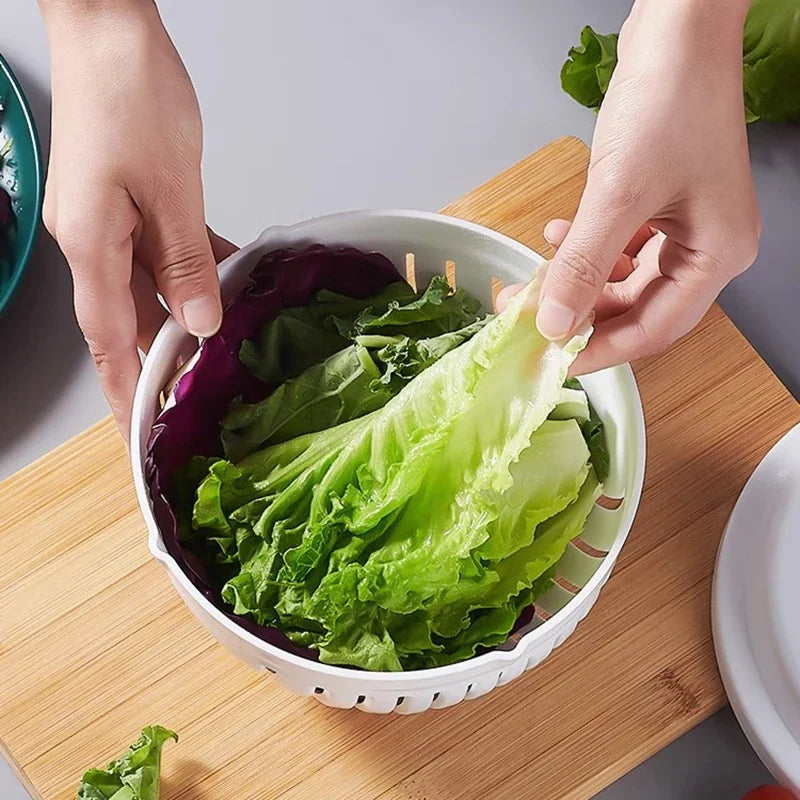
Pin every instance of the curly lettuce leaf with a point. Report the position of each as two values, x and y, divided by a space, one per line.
360 540
349 384
587 71
190 427
133 776
431 313
772 61
302 336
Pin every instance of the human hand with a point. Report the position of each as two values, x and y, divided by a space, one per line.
669 213
124 194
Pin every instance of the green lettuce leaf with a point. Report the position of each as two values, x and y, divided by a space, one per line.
770 54
433 312
587 71
772 61
301 336
349 384
133 776
354 539
592 428
572 403
415 533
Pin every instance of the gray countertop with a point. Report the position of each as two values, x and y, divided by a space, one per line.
311 107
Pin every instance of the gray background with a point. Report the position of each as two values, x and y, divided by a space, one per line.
311 107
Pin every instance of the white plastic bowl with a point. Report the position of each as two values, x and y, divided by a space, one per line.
479 255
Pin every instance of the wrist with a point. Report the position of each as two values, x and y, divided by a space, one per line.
723 15
85 11
706 30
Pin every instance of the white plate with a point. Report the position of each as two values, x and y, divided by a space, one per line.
756 610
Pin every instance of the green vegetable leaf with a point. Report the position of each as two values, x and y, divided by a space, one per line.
362 539
587 71
407 496
592 427
433 312
770 54
301 336
772 61
349 384
133 776
322 396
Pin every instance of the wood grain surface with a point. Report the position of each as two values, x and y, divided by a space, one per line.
94 642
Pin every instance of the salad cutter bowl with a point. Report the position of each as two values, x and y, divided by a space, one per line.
420 244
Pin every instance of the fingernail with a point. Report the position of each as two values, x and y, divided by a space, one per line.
202 315
554 319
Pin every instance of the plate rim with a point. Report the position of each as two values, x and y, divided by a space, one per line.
750 700
22 258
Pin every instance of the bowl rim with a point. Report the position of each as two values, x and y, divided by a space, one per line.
421 678
23 255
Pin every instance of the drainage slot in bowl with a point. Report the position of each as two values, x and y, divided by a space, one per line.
450 273
588 549
610 503
568 585
411 274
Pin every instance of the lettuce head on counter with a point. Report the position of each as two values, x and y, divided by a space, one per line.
770 56
385 478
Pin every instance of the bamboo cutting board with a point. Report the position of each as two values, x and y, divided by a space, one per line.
94 643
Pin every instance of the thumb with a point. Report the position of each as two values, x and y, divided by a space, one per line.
185 269
581 266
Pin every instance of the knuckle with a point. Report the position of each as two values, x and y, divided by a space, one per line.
653 343
702 262
581 272
72 240
621 191
49 214
748 245
100 353
737 251
107 351
101 348
185 265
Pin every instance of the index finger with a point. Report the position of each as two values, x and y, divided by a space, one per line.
606 221
106 313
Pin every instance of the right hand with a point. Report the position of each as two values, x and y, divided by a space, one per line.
669 212
124 196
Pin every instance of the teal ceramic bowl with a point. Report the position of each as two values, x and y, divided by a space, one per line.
21 176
